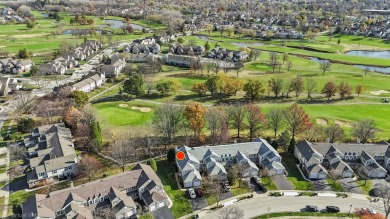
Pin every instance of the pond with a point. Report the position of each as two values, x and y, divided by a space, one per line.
206 38
83 31
370 53
384 70
117 24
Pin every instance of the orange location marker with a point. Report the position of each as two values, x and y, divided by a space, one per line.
180 155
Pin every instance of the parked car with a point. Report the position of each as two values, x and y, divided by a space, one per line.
311 208
374 192
199 192
191 193
365 211
332 209
258 184
225 187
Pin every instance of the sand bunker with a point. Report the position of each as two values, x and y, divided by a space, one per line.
321 122
379 92
123 105
342 123
142 109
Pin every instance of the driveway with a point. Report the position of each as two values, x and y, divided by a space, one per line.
321 185
350 185
198 203
282 182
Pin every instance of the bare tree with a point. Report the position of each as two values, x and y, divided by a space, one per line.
214 118
167 120
310 87
275 120
212 188
17 153
364 130
384 194
325 66
231 212
237 114
122 152
89 166
273 60
334 133
22 104
105 213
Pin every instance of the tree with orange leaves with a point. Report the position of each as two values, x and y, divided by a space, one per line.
297 119
255 119
194 113
72 117
365 213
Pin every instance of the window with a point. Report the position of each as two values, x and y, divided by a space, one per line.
54 171
41 174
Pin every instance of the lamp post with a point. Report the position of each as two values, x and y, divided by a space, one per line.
350 207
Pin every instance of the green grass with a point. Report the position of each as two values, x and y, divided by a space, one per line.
294 176
365 186
335 185
356 40
181 205
303 214
269 184
240 190
111 114
3 169
211 199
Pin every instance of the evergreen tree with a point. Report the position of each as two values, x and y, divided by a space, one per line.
291 147
96 134
134 86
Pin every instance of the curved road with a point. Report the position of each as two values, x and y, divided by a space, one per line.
263 204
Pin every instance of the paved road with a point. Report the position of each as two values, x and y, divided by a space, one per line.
263 204
282 182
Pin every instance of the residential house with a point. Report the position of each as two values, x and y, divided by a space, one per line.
318 159
120 193
89 83
228 55
137 48
214 160
179 49
179 60
51 154
54 67
143 57
15 66
113 69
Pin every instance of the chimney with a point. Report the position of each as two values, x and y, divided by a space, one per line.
71 185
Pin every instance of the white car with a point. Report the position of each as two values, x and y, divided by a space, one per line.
191 192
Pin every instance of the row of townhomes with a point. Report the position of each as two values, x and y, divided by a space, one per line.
214 160
8 85
114 68
89 83
51 154
70 59
122 193
317 160
15 66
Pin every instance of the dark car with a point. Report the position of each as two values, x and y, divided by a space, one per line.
311 208
332 209
258 184
199 192
374 192
225 187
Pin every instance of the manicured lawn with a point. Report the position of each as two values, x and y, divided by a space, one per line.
303 214
268 183
365 186
110 113
3 169
211 199
240 190
294 176
335 185
181 205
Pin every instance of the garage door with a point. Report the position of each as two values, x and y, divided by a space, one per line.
196 183
321 176
188 184
279 171
347 174
161 204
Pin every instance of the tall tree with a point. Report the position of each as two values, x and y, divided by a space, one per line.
276 85
329 89
325 66
253 89
122 152
297 119
310 87
334 133
237 114
359 89
344 90
255 119
194 114
273 60
364 130
284 139
89 166
214 119
275 119
167 121
297 86
79 97
134 85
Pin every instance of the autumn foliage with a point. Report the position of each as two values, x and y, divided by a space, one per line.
194 113
297 119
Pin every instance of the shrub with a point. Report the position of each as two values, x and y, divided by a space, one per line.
25 125
152 164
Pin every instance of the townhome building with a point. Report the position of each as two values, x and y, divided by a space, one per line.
121 194
213 161
89 83
317 160
51 154
15 66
